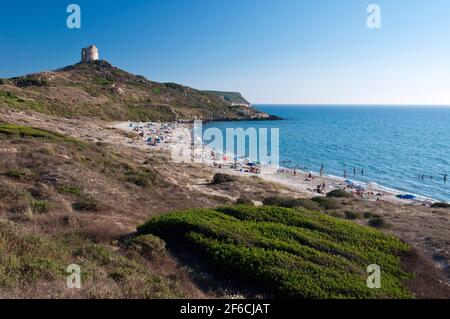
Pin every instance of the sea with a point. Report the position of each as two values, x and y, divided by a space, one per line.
397 147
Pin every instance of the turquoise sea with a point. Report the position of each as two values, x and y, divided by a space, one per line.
394 145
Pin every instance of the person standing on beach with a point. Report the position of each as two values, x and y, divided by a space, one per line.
295 172
362 171
322 170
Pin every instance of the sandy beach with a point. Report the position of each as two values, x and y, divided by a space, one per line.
304 183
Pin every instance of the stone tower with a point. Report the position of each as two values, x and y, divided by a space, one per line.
89 54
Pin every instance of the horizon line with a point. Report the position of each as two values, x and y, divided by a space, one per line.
353 104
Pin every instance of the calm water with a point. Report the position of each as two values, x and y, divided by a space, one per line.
393 145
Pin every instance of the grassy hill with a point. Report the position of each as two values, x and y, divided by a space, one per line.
103 91
287 253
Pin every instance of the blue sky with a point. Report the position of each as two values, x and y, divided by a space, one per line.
273 51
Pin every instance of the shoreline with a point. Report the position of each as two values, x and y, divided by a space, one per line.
301 183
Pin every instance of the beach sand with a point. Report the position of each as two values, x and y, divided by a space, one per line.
300 182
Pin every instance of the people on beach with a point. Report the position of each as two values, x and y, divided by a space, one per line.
295 172
322 170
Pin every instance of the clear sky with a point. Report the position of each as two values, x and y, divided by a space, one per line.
273 51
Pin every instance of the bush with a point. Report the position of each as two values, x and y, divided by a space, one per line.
287 202
220 178
352 215
148 246
87 204
377 223
142 176
327 202
440 205
245 201
2 81
20 174
339 193
70 190
28 81
41 207
286 253
369 215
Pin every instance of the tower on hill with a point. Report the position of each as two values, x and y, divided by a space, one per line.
89 54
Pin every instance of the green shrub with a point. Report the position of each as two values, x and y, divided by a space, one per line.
87 203
369 215
149 245
20 174
41 207
102 81
156 90
142 176
291 202
245 201
25 131
284 252
70 190
440 205
339 193
28 81
377 223
327 202
220 178
352 215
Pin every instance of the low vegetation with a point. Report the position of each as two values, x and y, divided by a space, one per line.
339 193
287 253
148 246
87 203
41 207
141 176
220 178
20 174
12 130
244 201
327 203
30 259
440 205
352 215
289 202
377 222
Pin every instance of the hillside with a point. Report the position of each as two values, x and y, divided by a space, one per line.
64 200
232 97
102 91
